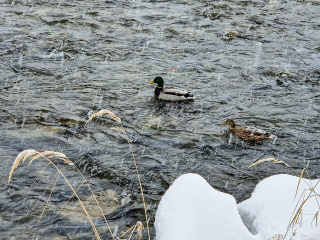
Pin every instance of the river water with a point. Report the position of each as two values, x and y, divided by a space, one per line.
254 61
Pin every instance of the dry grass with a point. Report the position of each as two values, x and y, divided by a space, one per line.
135 232
122 129
48 156
101 113
298 211
276 237
273 160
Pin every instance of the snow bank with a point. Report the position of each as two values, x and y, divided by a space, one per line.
272 203
191 209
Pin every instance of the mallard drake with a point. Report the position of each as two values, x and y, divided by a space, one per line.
249 134
170 93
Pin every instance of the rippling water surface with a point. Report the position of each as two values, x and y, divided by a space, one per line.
254 61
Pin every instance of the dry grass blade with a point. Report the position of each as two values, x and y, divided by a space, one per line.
138 227
296 207
276 237
105 111
123 234
51 154
312 188
104 215
34 182
118 129
297 216
60 209
23 155
44 208
273 160
299 182
299 212
37 203
316 217
83 207
140 184
101 113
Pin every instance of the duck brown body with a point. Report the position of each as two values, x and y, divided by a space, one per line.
249 134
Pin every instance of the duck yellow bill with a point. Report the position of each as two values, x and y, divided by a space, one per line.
224 123
151 82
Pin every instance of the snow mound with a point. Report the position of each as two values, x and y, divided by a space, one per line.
272 203
191 209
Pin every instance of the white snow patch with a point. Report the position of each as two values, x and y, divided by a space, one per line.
191 209
272 203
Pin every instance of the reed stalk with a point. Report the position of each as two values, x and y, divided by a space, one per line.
122 129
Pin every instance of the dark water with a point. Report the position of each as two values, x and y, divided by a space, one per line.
254 61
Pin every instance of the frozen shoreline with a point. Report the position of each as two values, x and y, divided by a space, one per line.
192 209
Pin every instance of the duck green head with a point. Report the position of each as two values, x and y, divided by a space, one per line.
158 80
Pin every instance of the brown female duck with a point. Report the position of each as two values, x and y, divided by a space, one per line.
249 134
